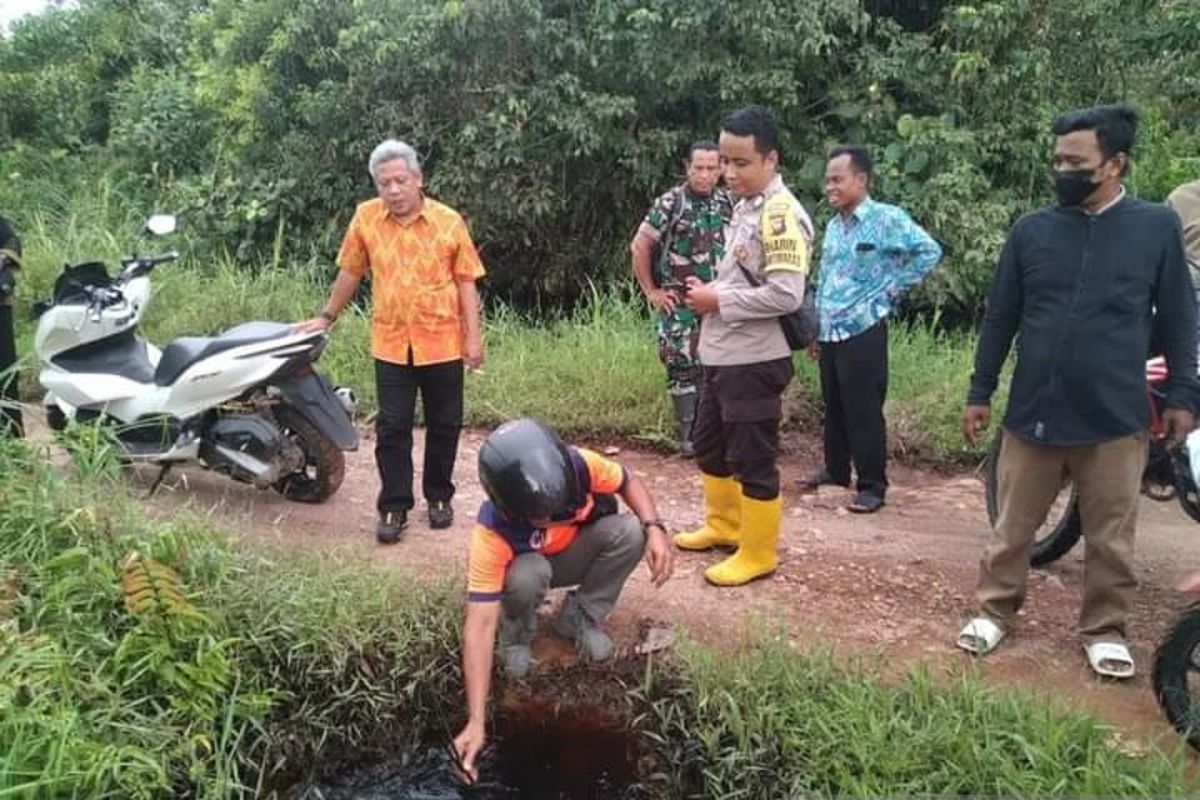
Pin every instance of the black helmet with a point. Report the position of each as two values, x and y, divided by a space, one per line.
528 473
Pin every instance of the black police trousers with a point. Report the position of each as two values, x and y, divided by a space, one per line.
737 424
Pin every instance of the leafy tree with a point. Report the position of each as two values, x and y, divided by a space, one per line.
551 124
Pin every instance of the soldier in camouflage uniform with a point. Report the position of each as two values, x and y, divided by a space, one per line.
680 238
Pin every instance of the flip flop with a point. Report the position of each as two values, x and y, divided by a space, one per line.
1102 655
980 636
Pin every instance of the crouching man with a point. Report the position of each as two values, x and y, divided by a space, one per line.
550 520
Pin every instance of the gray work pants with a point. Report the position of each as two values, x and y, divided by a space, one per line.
599 562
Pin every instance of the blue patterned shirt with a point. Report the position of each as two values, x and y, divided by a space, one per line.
867 261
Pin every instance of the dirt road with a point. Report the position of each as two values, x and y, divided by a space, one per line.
893 588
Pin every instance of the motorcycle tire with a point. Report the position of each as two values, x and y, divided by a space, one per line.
1175 660
1056 538
326 463
1186 490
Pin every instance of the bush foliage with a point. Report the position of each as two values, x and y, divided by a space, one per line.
552 123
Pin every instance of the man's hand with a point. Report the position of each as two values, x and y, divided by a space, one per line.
701 297
659 555
316 324
473 351
814 351
661 301
975 420
1179 423
468 744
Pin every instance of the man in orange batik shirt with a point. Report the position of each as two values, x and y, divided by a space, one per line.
424 328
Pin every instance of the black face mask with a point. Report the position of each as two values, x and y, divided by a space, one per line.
1073 186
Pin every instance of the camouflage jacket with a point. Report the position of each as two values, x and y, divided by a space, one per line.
692 228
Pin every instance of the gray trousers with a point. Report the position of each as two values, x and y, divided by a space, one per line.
599 562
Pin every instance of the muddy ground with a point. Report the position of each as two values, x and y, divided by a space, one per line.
893 588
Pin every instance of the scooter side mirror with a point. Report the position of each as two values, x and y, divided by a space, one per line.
160 224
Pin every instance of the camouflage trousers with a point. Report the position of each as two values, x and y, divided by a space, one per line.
679 350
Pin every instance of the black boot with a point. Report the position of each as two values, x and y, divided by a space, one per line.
685 415
10 409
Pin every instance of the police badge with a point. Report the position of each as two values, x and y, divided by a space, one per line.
778 224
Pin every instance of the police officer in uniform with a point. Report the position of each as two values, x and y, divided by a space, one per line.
746 361
10 262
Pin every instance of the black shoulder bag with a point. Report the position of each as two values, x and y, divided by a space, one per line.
800 327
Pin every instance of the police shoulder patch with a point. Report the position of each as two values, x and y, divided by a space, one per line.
784 245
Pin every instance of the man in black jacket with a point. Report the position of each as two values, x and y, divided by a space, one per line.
1082 286
10 261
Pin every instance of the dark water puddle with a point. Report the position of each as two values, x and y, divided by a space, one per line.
538 750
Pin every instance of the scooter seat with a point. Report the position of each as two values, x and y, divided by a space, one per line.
187 350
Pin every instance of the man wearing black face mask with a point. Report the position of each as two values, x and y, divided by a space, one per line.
1082 286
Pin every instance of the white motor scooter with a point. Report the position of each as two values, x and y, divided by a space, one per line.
246 403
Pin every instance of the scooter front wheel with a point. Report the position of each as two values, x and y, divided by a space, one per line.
325 463
1177 675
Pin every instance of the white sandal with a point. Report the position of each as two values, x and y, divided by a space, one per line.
980 636
1101 655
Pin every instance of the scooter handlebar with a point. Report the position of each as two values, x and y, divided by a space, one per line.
171 255
138 265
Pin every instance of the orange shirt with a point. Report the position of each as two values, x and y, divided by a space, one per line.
496 541
415 271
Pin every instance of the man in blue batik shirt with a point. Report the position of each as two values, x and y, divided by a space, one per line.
872 253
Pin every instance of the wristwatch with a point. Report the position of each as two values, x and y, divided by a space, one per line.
330 318
653 523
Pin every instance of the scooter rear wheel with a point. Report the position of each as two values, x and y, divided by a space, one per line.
325 462
1177 675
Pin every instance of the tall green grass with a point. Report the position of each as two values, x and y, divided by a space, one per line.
591 372
765 723
270 662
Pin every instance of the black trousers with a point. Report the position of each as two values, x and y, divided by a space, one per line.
736 432
441 389
854 381
10 414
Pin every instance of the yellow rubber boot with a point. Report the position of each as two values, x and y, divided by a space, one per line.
756 554
722 515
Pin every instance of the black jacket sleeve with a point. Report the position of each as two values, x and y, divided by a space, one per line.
1175 323
1000 323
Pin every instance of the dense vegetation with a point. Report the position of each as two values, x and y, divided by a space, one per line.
143 658
551 123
